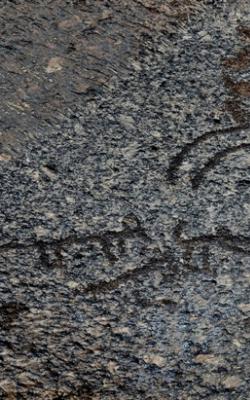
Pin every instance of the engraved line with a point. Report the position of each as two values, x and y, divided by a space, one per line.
104 239
178 159
223 237
151 266
213 162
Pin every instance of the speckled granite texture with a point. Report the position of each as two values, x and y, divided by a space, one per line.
125 212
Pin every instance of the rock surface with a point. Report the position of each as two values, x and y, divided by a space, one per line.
125 212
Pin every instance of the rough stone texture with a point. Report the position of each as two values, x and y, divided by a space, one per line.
125 213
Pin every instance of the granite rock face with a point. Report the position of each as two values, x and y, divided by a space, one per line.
125 212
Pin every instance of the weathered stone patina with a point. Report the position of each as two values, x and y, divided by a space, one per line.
125 213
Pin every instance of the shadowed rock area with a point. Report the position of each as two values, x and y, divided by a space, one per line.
125 200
